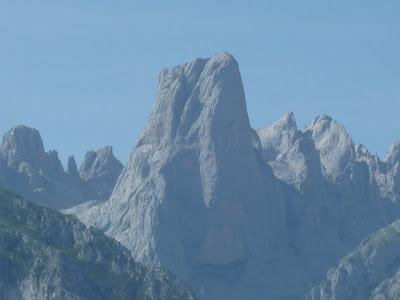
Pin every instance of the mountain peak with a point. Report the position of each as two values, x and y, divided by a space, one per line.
393 155
361 152
101 169
22 143
195 163
336 147
72 169
325 118
286 122
279 137
223 57
201 91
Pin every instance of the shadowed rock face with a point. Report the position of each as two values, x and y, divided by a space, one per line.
39 176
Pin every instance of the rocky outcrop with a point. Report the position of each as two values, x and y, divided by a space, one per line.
72 168
335 146
291 154
101 170
47 255
37 175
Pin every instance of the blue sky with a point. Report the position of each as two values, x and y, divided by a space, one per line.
84 73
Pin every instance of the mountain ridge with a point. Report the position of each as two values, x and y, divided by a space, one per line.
47 255
39 176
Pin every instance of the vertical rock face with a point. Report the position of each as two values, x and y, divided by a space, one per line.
39 176
199 195
72 169
22 143
195 195
101 170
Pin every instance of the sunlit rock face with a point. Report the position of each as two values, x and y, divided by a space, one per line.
335 146
196 195
234 212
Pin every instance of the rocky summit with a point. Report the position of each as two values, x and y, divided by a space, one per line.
100 170
239 213
195 193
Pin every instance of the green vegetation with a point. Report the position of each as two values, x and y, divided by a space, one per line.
67 260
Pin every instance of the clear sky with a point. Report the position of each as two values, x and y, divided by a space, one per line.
84 73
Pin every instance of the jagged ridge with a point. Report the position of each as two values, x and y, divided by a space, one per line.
25 167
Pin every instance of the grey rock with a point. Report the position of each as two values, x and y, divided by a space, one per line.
384 174
238 214
22 143
39 176
290 153
101 170
72 168
195 195
34 173
335 146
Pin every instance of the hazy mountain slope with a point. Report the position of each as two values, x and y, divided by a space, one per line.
370 272
39 176
47 255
